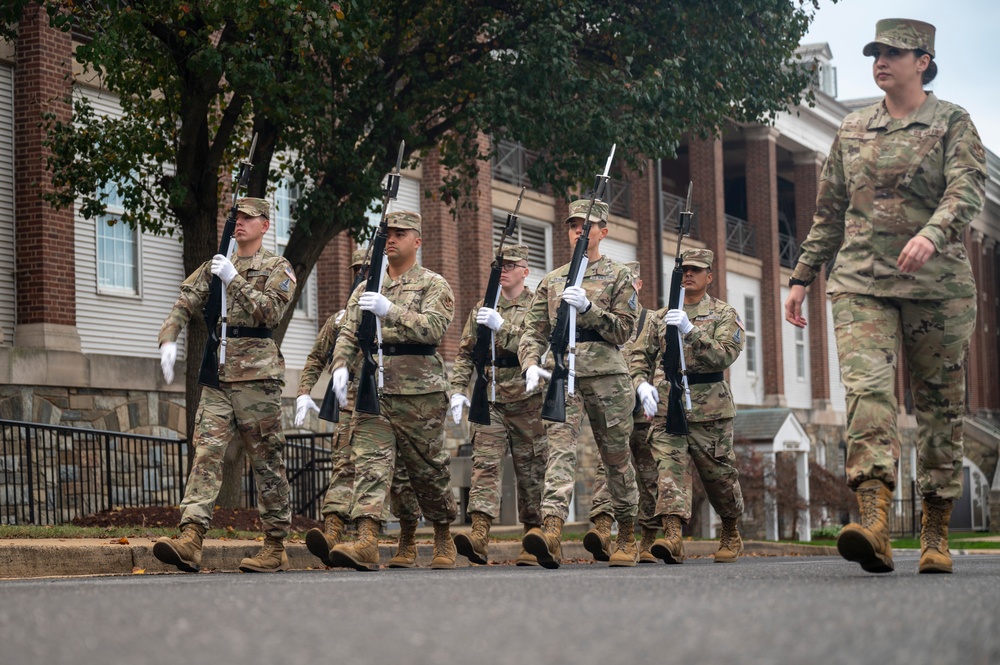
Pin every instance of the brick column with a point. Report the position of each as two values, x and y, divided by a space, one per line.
705 164
562 250
441 242
808 167
644 214
978 375
476 242
762 214
990 320
334 276
44 236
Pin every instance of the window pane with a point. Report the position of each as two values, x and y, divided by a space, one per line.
116 255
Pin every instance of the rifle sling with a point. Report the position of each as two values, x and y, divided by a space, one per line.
237 332
709 377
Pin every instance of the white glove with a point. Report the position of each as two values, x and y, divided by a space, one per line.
577 298
490 318
303 405
649 396
458 400
168 355
340 376
376 303
679 318
533 375
224 268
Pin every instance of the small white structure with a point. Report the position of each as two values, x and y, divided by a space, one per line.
769 432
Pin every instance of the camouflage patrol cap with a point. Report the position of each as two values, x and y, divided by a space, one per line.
635 268
514 253
254 207
699 258
904 33
358 257
403 219
579 209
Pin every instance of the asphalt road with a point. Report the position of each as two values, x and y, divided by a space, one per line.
760 610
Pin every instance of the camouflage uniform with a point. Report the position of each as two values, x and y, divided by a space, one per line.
642 455
602 390
413 401
711 346
248 399
515 416
887 180
340 491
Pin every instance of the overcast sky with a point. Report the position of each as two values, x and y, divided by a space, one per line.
968 35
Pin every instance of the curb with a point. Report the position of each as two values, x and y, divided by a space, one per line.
20 559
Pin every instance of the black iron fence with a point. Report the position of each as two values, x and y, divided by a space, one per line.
50 474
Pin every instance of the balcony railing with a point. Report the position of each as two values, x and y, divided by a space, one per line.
672 205
511 161
740 237
788 249
619 197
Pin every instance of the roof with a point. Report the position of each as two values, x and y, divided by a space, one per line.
759 424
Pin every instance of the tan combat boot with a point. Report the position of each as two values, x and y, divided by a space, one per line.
597 541
544 543
270 559
670 548
648 537
444 548
185 552
730 542
406 550
934 554
868 542
475 545
524 557
626 549
362 554
320 542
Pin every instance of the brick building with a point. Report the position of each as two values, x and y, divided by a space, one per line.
81 301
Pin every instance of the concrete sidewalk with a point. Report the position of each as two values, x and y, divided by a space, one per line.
62 557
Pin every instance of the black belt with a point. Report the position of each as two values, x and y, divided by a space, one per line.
507 359
588 335
710 377
407 349
237 332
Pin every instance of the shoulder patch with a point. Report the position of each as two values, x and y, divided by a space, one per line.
738 336
285 285
291 274
633 302
739 322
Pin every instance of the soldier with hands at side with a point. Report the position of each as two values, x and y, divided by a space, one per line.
259 285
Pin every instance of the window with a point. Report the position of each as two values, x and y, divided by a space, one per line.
800 354
117 249
750 321
537 236
283 218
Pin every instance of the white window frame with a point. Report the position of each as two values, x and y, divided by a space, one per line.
800 355
114 209
750 322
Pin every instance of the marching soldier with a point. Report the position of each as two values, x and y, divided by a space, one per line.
415 307
607 306
713 338
336 509
597 541
259 285
515 416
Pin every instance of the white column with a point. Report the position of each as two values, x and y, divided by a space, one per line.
770 497
802 483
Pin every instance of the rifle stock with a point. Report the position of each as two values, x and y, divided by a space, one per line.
367 397
482 352
208 375
330 409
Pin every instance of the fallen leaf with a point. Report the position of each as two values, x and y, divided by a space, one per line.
123 541
138 571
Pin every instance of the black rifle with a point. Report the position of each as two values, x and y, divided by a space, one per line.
485 349
214 309
330 409
368 337
673 357
562 342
